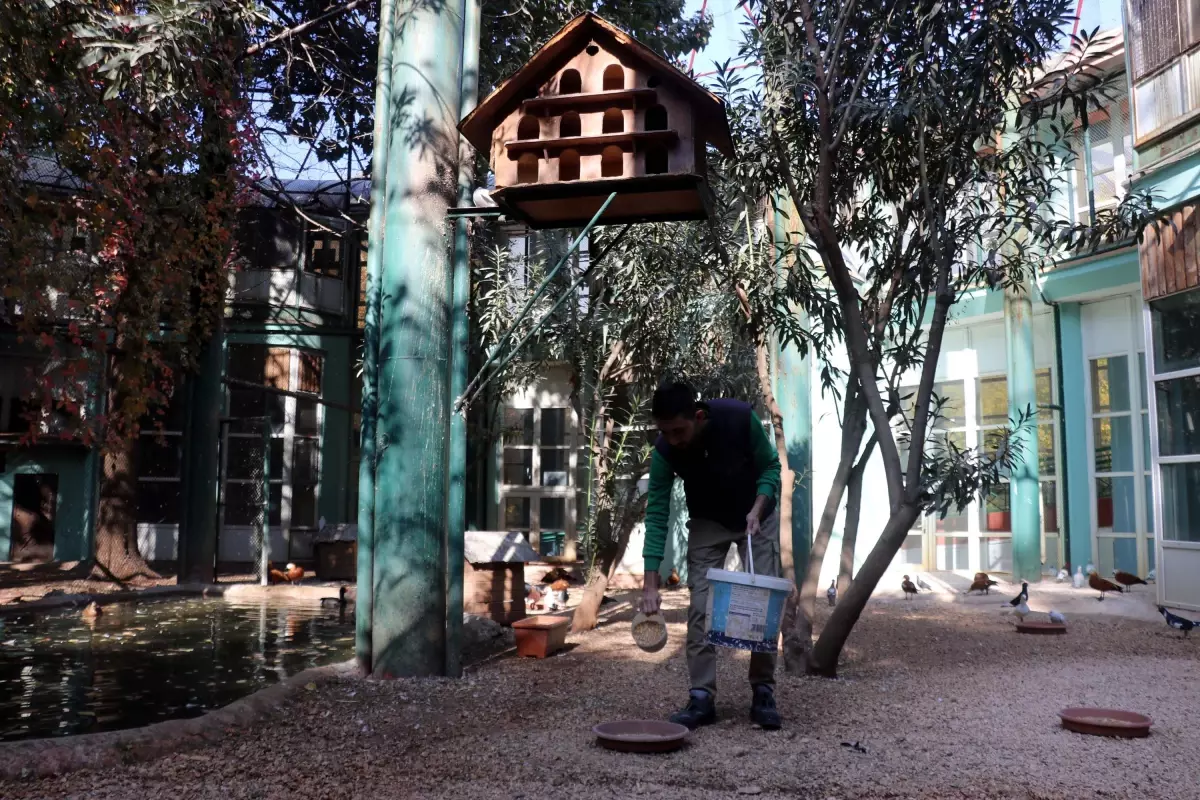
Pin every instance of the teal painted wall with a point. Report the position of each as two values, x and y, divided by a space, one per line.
1076 490
73 517
1173 183
337 374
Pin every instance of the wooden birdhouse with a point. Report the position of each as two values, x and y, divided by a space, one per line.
595 112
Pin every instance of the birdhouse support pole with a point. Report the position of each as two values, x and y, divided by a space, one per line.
460 291
1024 495
415 184
475 387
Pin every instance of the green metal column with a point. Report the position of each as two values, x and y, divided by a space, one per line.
408 592
364 597
1077 521
1022 396
792 392
460 294
201 467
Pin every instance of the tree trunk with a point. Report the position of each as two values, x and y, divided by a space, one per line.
587 615
117 556
853 512
823 659
798 641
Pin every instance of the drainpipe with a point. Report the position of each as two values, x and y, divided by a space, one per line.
1064 463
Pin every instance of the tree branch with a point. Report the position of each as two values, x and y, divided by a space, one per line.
303 26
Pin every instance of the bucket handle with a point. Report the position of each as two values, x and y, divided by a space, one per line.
750 554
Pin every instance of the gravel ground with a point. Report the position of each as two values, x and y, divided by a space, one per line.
948 701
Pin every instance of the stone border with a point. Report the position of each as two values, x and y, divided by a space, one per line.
103 598
57 755
228 591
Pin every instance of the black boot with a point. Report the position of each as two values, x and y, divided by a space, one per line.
700 710
762 709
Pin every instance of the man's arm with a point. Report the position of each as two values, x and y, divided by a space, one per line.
766 465
658 511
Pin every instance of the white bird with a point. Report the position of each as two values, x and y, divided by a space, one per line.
1063 576
1151 576
922 585
1089 569
1020 609
482 198
1079 579
1057 618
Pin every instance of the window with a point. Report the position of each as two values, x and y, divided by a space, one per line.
1120 462
974 415
656 118
1158 30
159 464
1108 148
529 128
538 479
612 162
613 121
614 78
324 253
568 124
294 455
570 82
568 165
1176 331
527 168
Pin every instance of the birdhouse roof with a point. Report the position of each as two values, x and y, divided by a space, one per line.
496 547
711 121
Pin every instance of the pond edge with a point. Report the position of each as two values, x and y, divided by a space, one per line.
35 758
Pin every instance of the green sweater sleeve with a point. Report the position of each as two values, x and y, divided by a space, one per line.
766 460
658 510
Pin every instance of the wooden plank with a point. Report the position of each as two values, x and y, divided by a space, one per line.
1151 266
624 139
1179 251
622 98
1191 227
1166 238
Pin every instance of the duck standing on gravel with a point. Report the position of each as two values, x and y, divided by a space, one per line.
831 592
1022 596
730 476
908 587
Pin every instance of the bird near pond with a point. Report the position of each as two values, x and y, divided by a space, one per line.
1057 617
1022 596
1177 622
908 587
335 602
831 592
1102 585
982 583
91 610
1127 579
1079 580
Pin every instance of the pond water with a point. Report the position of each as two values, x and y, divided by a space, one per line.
140 663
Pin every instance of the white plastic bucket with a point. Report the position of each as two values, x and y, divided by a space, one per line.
744 610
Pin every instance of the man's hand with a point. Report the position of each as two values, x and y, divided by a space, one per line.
754 518
650 596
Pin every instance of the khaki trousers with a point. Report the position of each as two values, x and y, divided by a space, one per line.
708 544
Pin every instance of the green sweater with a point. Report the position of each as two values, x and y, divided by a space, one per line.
662 479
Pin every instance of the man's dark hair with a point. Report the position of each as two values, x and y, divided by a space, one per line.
673 400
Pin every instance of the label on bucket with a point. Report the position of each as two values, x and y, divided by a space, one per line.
747 614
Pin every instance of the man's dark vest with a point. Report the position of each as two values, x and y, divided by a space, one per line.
719 477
